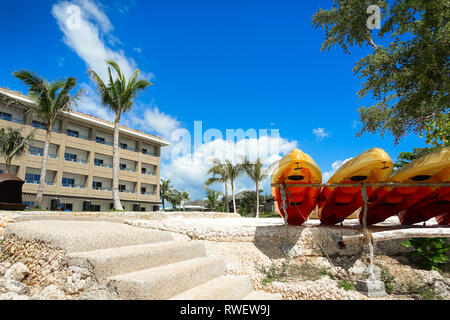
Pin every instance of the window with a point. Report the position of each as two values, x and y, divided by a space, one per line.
5 116
143 190
32 178
66 207
70 157
122 188
68 182
100 140
143 170
38 124
96 185
95 207
36 151
98 162
144 151
123 166
124 146
1 171
73 133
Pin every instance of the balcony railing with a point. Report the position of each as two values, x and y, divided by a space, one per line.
76 186
149 173
103 165
148 193
70 134
127 191
128 170
75 160
104 142
41 154
11 119
102 189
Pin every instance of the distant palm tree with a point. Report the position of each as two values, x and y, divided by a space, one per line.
13 144
184 197
257 173
118 95
233 171
212 199
51 100
165 190
220 175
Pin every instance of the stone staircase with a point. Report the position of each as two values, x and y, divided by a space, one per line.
142 263
166 270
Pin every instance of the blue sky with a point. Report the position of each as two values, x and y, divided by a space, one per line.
230 64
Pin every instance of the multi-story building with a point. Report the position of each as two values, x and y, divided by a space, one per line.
79 167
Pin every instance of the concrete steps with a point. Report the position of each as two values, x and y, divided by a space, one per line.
114 261
167 281
221 288
140 263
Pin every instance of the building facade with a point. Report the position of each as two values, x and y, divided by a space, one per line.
79 167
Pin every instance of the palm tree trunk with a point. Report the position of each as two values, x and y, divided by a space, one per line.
163 203
40 192
116 197
257 200
226 197
232 193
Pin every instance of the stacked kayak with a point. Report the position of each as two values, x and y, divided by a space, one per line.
336 204
415 204
412 204
296 167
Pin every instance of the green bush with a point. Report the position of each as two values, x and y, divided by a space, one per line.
423 293
388 279
429 252
346 285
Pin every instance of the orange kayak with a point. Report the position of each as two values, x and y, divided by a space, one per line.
414 204
336 204
296 167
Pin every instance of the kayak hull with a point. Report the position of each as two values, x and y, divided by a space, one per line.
296 167
414 204
336 204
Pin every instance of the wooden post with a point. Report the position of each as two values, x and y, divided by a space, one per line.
368 240
285 248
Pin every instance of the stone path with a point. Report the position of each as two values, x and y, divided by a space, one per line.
140 263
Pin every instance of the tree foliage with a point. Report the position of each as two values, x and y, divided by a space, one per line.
13 144
409 76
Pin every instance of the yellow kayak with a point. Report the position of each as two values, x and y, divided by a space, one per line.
337 204
296 167
414 204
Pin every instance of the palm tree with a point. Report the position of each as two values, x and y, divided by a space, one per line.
184 196
165 190
118 95
212 198
220 175
257 173
233 171
13 144
51 100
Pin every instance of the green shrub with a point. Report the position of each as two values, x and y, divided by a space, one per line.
388 279
346 285
423 293
429 252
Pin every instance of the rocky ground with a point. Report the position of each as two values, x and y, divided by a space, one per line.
34 270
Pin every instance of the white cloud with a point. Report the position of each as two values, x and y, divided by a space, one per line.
188 172
320 133
87 38
334 167
151 119
90 104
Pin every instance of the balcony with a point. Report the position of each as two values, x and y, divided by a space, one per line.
75 186
76 134
148 193
103 165
41 154
127 191
101 189
8 117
